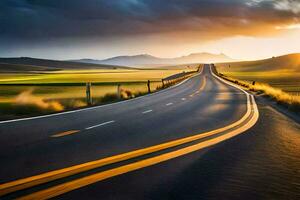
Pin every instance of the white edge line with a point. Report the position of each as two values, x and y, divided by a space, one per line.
227 82
256 111
147 111
96 107
168 104
102 124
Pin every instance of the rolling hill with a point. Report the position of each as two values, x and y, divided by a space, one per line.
146 60
281 72
24 64
290 62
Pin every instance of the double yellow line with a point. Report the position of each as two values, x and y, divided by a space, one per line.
201 87
246 122
81 182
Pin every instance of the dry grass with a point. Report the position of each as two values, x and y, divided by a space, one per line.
27 98
289 100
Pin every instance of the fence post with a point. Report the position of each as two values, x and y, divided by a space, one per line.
148 85
88 93
163 83
119 91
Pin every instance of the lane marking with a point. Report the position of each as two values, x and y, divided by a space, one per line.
65 172
203 84
168 104
81 182
65 133
230 93
147 111
201 88
183 99
228 83
102 124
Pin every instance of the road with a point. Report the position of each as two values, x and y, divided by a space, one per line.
132 149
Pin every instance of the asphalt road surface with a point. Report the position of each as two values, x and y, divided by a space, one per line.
200 139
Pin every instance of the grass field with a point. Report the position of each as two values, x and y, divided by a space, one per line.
83 76
23 94
280 72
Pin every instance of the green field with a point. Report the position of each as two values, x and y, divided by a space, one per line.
71 83
31 93
280 72
83 76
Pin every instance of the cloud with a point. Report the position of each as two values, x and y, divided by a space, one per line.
289 27
36 22
288 5
282 5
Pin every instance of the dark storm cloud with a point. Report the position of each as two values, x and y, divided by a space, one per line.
40 20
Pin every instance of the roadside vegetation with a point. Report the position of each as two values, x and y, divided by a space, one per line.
292 102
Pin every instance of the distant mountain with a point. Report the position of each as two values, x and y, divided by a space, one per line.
147 60
204 58
34 64
290 62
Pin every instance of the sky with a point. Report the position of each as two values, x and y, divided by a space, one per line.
74 29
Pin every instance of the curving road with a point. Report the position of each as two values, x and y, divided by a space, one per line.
122 137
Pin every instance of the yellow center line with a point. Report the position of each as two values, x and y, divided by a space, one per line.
57 174
81 182
61 173
201 88
65 133
203 84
